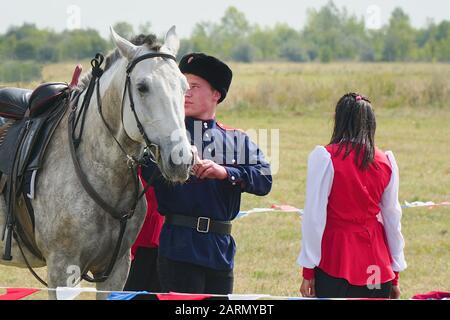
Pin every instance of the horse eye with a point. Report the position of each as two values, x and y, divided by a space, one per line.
142 88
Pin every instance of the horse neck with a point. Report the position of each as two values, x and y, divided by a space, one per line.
98 145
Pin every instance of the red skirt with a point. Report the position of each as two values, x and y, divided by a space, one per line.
356 251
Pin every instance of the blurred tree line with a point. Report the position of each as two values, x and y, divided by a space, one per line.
27 42
329 34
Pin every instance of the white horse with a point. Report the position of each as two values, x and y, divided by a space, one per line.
71 230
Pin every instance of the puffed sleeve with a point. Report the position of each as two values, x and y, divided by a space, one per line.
319 181
391 212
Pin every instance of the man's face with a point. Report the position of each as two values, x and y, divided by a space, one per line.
201 99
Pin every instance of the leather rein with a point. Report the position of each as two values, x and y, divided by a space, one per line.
132 162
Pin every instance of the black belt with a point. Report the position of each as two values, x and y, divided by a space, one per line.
201 224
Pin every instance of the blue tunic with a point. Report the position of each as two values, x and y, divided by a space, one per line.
220 200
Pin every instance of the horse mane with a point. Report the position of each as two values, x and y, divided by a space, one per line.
149 40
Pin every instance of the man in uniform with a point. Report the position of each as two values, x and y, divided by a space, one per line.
196 252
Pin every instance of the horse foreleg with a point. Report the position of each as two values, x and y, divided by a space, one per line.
117 279
62 271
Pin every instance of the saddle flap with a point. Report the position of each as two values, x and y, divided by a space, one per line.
46 96
8 146
14 102
46 134
30 142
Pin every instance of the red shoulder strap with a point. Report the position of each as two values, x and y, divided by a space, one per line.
227 128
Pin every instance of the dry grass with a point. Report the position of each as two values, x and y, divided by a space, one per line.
306 87
413 114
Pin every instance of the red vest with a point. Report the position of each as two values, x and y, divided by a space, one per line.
354 245
149 235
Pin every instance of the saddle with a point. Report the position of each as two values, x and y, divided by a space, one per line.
29 121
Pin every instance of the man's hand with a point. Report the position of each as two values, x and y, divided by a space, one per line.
395 292
207 169
307 288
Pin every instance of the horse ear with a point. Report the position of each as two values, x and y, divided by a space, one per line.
126 48
171 42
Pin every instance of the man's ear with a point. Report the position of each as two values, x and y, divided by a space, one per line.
216 95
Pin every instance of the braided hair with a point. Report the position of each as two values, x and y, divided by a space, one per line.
354 128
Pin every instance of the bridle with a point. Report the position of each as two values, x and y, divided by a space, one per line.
154 151
97 72
79 114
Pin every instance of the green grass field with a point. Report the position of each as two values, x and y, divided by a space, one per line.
412 103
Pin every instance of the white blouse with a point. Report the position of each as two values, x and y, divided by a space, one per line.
318 187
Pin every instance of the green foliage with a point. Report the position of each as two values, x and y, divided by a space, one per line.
434 42
27 42
399 38
243 52
80 44
125 29
264 41
330 34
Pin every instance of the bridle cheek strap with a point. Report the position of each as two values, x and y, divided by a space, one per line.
154 150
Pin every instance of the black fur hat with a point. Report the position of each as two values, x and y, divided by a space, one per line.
217 73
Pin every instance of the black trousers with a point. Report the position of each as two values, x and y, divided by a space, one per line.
327 286
143 274
184 277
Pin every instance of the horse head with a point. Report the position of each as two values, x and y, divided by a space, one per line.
156 89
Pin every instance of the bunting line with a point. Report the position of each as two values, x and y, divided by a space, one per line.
17 293
289 208
71 293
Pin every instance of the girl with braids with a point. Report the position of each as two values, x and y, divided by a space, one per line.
352 245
